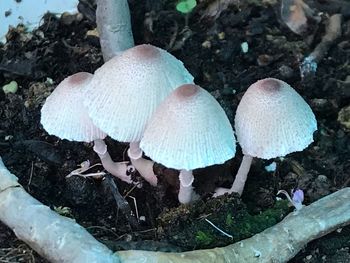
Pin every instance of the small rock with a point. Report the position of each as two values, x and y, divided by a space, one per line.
244 47
264 60
92 32
221 35
11 87
286 72
206 44
68 19
271 167
344 117
37 94
322 105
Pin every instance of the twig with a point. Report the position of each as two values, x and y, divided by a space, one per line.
333 31
132 189
122 204
136 208
30 176
114 27
218 229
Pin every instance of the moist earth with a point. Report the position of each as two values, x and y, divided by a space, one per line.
211 50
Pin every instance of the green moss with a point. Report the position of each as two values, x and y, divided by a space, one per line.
229 220
204 238
186 226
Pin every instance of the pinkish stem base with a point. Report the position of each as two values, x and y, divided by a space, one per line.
143 166
241 178
118 169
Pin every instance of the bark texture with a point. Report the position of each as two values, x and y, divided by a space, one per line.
114 27
60 239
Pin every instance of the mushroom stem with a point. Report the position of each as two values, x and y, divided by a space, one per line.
118 169
186 189
241 178
143 166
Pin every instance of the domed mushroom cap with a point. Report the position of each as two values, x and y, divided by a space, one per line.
64 115
273 120
126 90
189 130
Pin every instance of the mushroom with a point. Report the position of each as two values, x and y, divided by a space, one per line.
189 130
272 120
64 115
126 90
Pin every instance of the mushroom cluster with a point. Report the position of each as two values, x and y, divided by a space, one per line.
146 97
64 115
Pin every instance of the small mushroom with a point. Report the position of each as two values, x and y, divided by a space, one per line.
189 130
272 120
126 90
64 115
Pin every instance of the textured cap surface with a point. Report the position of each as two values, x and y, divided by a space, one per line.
64 115
189 130
273 120
125 91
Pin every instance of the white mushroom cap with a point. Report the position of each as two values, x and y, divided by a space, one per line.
64 115
273 120
189 130
126 90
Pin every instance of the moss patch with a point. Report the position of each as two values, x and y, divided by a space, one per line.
185 226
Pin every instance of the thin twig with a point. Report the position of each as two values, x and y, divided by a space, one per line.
218 229
122 204
30 176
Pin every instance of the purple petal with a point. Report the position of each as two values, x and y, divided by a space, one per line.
298 196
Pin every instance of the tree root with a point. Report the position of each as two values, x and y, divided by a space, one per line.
60 239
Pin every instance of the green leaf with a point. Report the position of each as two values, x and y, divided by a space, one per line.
186 6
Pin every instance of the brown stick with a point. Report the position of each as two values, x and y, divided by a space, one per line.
333 31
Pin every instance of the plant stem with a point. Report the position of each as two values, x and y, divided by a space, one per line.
114 27
118 169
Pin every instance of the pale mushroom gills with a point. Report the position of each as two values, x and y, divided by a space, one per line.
125 92
189 130
272 120
64 115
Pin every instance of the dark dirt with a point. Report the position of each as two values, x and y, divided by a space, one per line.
38 61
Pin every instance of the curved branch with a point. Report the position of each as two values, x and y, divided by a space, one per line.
114 27
60 239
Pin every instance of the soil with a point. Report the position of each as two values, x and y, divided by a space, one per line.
211 50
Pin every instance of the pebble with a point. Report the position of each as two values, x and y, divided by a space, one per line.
11 87
93 33
264 60
244 47
206 44
68 19
344 117
286 71
221 35
271 167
